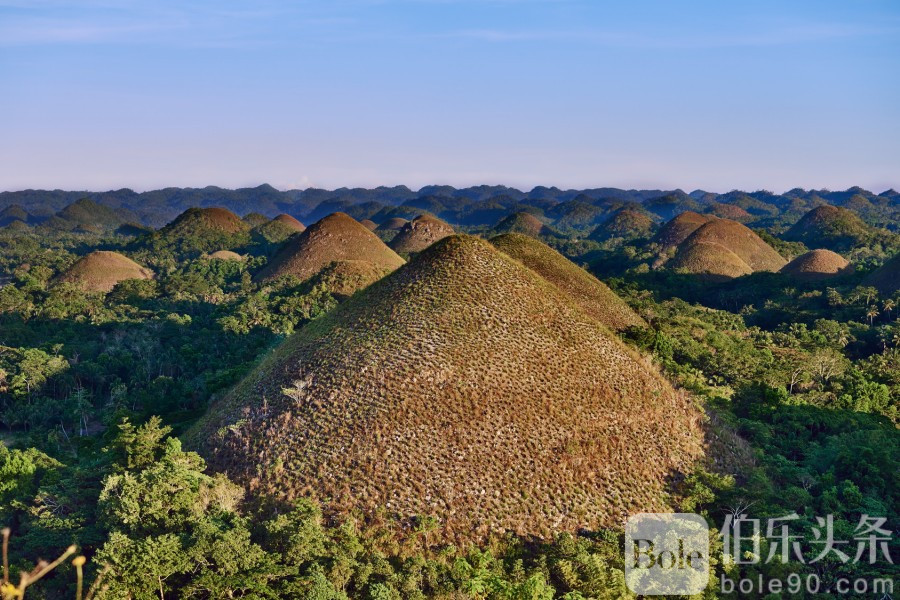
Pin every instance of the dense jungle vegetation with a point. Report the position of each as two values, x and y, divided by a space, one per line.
96 388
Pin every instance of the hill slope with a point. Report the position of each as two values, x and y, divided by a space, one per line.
591 295
100 271
463 386
337 237
420 233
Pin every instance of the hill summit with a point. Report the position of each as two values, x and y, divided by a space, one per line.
420 233
337 237
100 271
463 386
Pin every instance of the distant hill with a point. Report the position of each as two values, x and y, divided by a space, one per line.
832 227
626 224
91 216
100 271
337 237
14 212
463 386
369 224
522 222
729 211
818 264
420 233
199 230
479 206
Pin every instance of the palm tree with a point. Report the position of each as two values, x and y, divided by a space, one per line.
888 306
871 314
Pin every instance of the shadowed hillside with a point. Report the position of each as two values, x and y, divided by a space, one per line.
463 386
887 277
709 260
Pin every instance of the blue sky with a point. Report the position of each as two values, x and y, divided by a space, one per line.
101 94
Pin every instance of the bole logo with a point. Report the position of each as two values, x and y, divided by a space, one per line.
666 554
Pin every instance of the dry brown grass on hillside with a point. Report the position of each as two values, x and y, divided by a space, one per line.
226 255
594 298
290 222
369 224
463 386
100 271
679 229
337 237
710 260
393 224
740 240
420 233
818 264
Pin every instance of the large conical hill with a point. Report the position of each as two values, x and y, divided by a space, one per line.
463 386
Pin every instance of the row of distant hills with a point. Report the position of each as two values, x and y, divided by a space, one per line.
485 205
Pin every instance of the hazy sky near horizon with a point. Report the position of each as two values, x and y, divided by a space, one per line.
102 94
